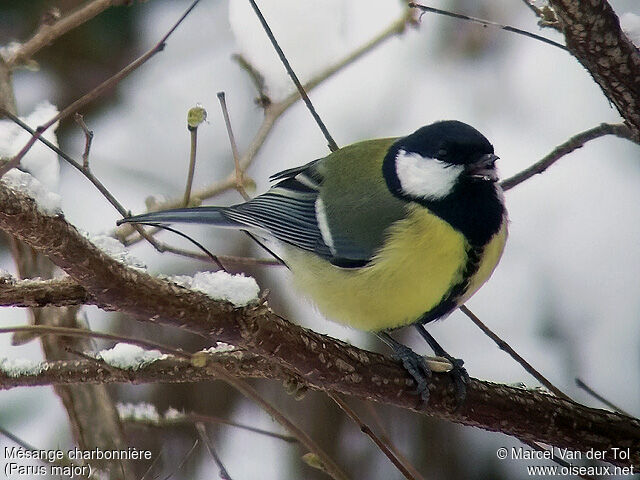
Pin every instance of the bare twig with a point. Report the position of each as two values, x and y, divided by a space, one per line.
488 23
189 418
244 388
46 34
599 397
76 332
273 111
575 142
364 428
384 436
352 371
234 148
96 92
186 457
595 38
88 135
85 371
331 142
256 77
15 160
35 135
202 433
195 117
502 345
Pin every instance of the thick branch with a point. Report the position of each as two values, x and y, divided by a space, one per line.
323 362
171 370
593 35
59 292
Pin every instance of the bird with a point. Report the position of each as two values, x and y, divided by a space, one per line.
383 233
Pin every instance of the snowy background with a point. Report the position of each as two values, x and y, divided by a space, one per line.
565 295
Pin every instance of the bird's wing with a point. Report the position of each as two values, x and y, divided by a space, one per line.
292 211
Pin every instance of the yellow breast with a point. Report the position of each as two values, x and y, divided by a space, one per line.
422 258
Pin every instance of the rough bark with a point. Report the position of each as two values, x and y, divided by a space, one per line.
593 35
324 363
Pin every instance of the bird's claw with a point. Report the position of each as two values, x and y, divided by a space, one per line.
417 367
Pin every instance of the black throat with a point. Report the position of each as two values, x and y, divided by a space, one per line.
474 207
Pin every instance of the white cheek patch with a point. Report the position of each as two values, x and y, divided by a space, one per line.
425 177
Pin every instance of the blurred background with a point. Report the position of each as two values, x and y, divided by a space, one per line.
565 295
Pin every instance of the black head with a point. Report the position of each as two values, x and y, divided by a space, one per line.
449 167
449 141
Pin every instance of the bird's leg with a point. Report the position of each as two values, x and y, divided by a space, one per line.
413 363
458 373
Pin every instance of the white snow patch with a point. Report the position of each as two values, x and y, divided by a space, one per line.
130 357
220 347
138 412
48 202
237 289
630 23
40 161
15 367
116 250
9 50
173 414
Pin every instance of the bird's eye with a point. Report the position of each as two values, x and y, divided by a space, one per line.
442 153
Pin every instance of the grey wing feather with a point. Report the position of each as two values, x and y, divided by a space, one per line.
287 212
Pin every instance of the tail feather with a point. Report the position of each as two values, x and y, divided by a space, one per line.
205 215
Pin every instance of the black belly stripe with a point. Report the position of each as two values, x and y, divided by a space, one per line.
449 301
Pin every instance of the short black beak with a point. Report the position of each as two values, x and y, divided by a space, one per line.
484 169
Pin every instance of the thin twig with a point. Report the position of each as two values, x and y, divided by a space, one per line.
599 397
96 92
364 428
575 142
245 389
384 436
333 146
86 172
195 117
502 345
195 417
224 259
193 134
88 135
273 111
234 148
488 23
77 332
202 432
156 459
15 160
256 77
46 34
185 459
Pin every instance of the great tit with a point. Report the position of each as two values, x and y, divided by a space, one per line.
383 233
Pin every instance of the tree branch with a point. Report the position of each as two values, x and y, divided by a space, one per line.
46 34
593 35
58 292
324 363
575 142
